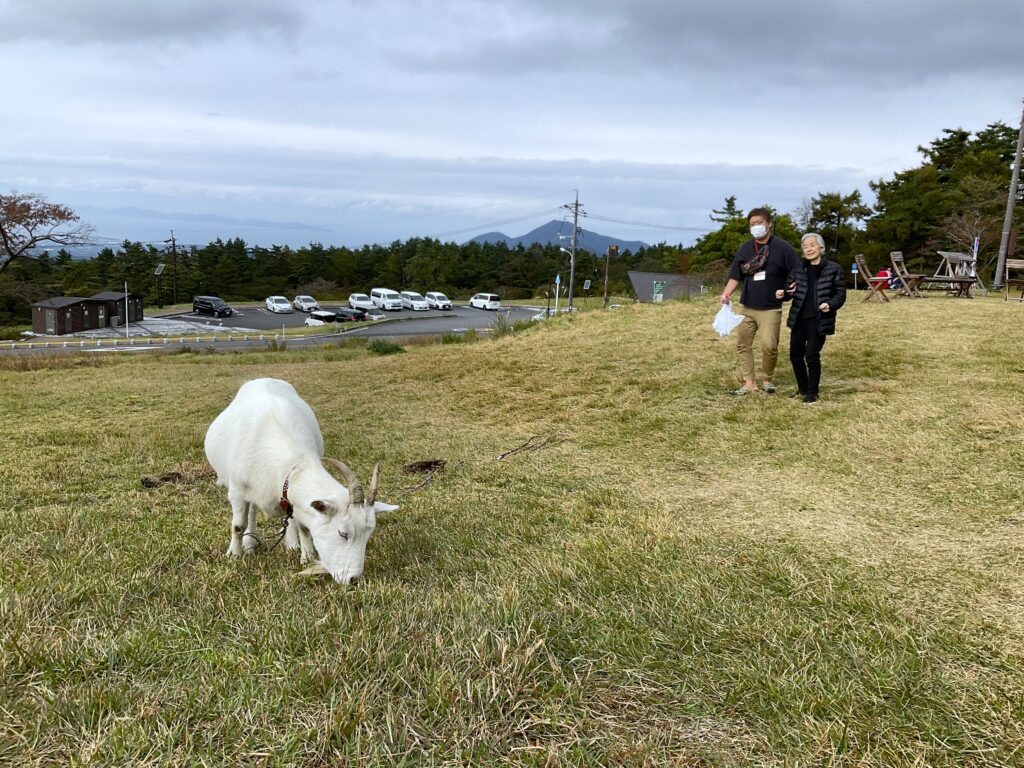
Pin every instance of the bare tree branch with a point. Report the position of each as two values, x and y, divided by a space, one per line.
29 220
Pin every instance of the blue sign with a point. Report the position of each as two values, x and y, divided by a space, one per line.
558 279
853 268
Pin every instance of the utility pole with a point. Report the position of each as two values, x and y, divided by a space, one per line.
1011 199
612 250
575 207
174 262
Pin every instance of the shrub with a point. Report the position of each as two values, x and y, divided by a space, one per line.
383 347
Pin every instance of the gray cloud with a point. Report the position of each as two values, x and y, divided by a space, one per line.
125 22
352 199
804 41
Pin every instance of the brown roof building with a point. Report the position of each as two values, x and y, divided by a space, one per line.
73 314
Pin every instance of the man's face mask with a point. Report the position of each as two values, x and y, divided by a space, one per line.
758 231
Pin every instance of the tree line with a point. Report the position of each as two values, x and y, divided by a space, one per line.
236 271
956 194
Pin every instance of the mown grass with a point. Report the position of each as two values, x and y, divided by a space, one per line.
678 578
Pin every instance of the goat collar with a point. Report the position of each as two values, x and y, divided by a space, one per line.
284 503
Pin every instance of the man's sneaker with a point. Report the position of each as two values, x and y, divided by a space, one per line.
743 391
769 388
810 399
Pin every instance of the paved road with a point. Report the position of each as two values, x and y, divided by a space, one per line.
399 323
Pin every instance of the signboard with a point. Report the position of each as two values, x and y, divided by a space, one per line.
586 285
658 290
853 268
558 279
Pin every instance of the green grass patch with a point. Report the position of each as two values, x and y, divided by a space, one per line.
383 347
672 576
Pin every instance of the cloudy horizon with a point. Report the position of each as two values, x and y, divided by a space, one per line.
351 123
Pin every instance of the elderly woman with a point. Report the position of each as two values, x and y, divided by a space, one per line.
817 290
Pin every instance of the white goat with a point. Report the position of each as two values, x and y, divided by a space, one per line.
266 447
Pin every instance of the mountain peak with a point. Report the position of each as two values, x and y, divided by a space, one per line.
559 233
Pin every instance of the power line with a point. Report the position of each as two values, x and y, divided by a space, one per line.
642 223
515 220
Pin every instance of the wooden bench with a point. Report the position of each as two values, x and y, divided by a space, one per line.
1018 265
957 285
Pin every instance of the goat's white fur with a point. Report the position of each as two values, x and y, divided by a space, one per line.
264 434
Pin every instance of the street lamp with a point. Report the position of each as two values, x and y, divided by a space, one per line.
159 289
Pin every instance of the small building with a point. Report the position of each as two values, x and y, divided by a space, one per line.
68 314
72 314
659 286
115 306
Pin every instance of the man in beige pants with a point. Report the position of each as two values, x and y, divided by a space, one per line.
762 265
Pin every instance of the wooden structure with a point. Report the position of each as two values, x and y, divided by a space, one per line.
68 314
908 283
1018 281
957 273
876 283
115 305
957 285
72 314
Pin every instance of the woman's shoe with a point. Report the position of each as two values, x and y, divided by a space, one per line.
810 399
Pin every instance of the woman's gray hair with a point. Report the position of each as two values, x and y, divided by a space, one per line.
816 236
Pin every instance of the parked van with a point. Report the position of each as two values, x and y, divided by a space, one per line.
412 300
385 298
211 305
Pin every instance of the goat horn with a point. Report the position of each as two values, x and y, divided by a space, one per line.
373 484
355 488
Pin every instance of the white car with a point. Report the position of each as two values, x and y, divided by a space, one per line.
436 300
385 298
360 301
305 303
320 317
485 301
278 304
412 300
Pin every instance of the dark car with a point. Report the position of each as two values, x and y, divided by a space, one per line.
346 314
211 305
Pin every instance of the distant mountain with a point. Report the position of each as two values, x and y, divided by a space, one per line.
555 231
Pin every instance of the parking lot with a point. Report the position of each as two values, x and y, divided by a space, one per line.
459 319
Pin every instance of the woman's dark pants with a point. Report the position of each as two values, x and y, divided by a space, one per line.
805 345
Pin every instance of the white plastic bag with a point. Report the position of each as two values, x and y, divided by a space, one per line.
726 320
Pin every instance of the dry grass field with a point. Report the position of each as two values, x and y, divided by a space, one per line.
679 577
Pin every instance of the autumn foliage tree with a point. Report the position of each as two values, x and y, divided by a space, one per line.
30 220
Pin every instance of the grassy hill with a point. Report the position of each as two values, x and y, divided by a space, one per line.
678 578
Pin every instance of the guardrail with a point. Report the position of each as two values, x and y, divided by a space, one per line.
151 341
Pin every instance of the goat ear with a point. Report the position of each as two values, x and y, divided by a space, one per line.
380 506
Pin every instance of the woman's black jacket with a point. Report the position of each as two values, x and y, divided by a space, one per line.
830 288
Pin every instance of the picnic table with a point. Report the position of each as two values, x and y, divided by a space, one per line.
957 271
956 284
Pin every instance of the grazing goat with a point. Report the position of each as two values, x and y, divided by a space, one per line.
266 447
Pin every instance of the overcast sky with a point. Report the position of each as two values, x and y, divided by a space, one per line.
290 121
